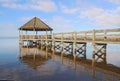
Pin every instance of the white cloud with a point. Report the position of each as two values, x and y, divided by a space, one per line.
114 1
60 24
117 10
42 5
7 1
58 19
17 6
101 17
67 10
26 18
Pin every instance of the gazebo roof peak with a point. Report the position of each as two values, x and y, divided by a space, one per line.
35 24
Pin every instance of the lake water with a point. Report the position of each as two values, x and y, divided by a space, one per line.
21 64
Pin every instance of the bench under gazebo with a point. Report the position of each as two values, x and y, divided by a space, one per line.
32 31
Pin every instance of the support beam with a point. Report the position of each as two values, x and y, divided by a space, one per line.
68 48
81 50
19 35
74 45
93 55
93 35
46 39
53 43
57 47
62 44
98 53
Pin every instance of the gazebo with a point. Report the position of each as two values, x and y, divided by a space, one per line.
34 25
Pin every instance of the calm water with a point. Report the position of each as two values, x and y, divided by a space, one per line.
31 67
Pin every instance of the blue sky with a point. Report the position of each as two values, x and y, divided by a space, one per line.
61 15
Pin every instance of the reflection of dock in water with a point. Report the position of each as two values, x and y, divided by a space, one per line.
32 57
101 66
35 57
33 60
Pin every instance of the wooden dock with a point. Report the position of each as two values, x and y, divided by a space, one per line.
75 42
68 43
98 36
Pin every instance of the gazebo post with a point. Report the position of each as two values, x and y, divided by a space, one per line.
19 35
46 38
51 34
37 38
34 34
26 37
46 35
51 39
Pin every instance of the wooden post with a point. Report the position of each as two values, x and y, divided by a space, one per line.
105 35
53 43
34 33
20 42
46 52
62 57
85 38
19 36
105 61
85 50
93 36
93 50
46 35
26 37
62 37
62 46
93 54
50 34
74 44
93 71
75 62
41 41
51 39
46 39
20 52
37 41
34 54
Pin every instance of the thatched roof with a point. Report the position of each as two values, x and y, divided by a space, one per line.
35 24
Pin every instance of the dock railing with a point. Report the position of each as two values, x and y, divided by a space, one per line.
109 35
